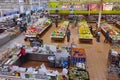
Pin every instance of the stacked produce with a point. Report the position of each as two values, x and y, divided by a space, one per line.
112 33
84 31
37 29
78 55
60 32
47 22
78 74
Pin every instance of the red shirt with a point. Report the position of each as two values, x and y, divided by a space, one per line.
22 52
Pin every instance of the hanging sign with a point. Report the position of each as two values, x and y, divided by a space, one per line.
21 0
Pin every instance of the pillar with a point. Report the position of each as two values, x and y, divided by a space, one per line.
100 14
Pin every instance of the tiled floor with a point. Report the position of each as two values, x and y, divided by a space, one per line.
97 53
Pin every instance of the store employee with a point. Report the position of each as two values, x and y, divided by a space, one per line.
22 54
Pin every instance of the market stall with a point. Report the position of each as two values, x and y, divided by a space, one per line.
113 34
38 28
84 32
60 32
78 60
10 65
114 64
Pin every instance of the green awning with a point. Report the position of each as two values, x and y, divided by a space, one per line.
117 1
85 1
79 1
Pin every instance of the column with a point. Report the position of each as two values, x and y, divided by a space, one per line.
100 14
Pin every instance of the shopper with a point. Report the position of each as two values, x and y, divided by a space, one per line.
98 36
106 37
23 28
19 23
68 33
24 24
91 29
56 22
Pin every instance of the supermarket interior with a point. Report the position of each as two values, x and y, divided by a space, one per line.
59 39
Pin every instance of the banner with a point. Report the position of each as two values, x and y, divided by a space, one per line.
94 7
107 6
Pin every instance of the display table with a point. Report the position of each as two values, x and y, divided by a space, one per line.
118 24
60 33
114 36
84 32
55 38
38 28
86 40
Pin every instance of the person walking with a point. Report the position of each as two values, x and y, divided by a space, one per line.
68 33
19 24
98 36
106 37
56 22
91 30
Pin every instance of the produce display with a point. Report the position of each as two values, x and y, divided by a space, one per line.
33 30
60 32
78 56
115 35
77 74
84 31
114 63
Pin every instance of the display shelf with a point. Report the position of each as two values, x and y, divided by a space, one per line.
60 32
38 29
113 35
77 74
114 64
78 60
78 56
84 32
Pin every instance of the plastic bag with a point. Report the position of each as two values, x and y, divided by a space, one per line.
43 69
65 71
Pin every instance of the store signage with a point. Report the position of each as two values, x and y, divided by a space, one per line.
77 0
21 0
